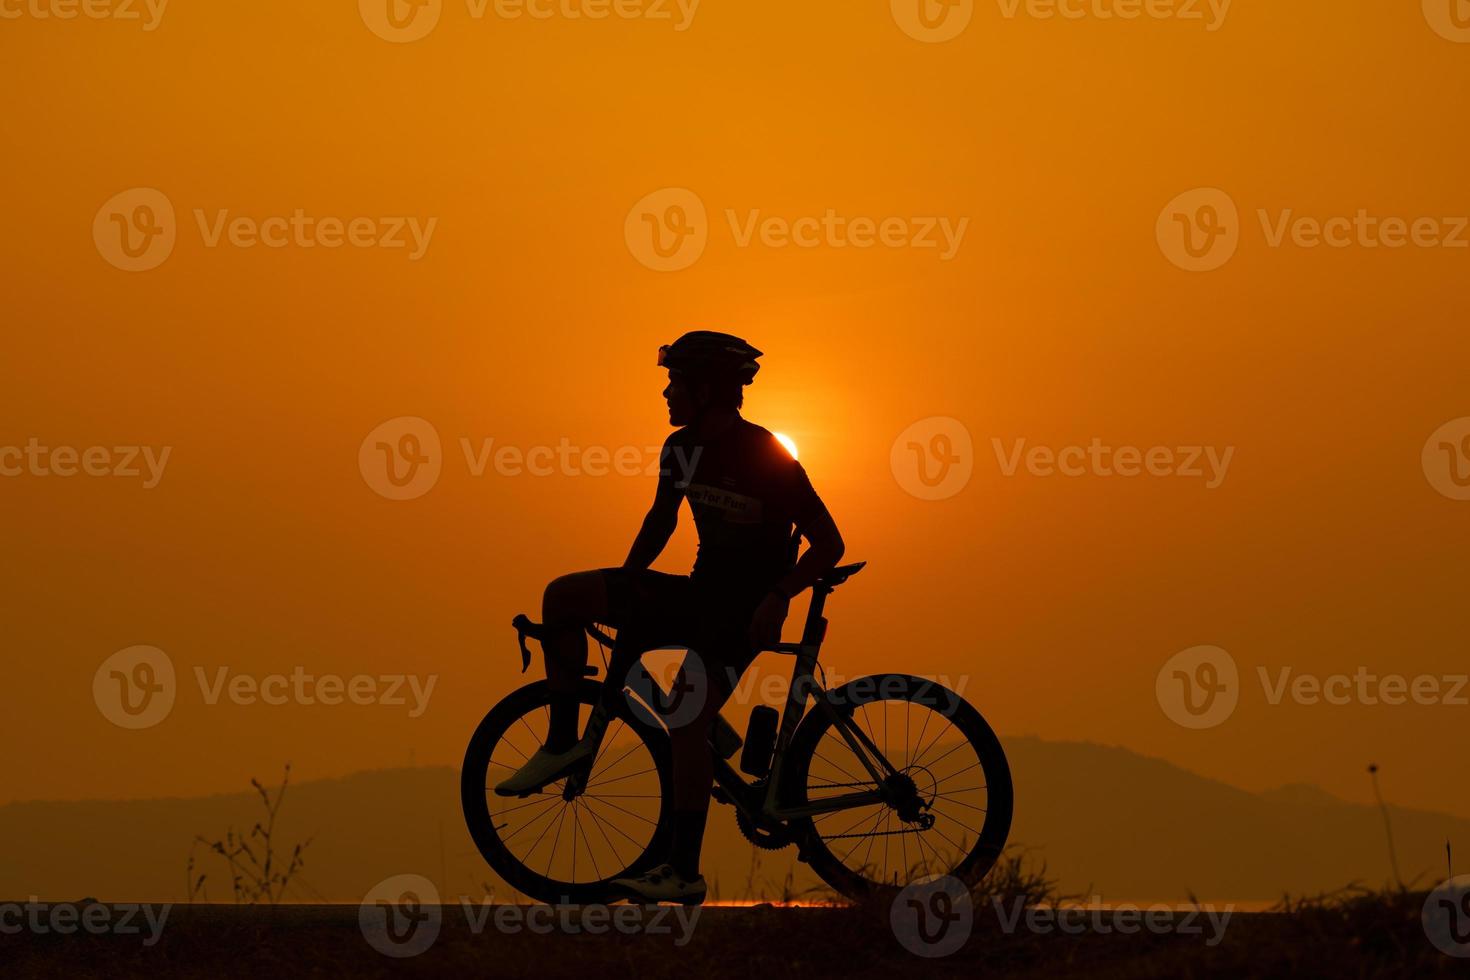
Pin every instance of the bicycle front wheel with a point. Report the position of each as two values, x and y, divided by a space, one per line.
952 776
559 851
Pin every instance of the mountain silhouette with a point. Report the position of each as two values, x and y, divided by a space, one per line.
1107 821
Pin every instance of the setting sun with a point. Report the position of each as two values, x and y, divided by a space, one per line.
788 442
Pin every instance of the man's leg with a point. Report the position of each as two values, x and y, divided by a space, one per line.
694 769
569 604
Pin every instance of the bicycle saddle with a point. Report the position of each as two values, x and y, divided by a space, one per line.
841 574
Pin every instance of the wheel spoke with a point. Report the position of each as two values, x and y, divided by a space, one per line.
531 821
846 831
950 816
555 839
537 842
597 822
613 824
630 813
612 765
835 765
871 839
547 798
609 782
587 844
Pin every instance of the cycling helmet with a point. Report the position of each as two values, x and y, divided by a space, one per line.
707 352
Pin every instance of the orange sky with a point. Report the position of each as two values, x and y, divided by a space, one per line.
527 319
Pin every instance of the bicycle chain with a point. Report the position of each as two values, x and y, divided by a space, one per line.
880 833
877 833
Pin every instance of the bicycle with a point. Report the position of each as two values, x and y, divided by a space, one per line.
619 798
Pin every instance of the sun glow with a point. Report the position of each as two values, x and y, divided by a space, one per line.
788 442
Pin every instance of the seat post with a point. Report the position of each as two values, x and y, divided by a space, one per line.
816 626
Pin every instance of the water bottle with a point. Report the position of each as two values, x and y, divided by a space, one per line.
760 741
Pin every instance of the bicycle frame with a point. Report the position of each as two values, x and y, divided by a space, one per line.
803 685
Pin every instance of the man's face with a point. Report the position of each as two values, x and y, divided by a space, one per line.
681 399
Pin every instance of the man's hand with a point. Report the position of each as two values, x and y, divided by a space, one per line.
765 625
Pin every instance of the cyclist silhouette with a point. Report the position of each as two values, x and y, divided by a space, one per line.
747 494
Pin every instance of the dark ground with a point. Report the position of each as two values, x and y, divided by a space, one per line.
1363 936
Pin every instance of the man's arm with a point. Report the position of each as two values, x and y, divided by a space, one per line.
824 551
658 527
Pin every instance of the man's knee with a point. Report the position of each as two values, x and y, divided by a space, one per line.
573 599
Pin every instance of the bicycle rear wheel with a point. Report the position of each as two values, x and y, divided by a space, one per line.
948 760
559 851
